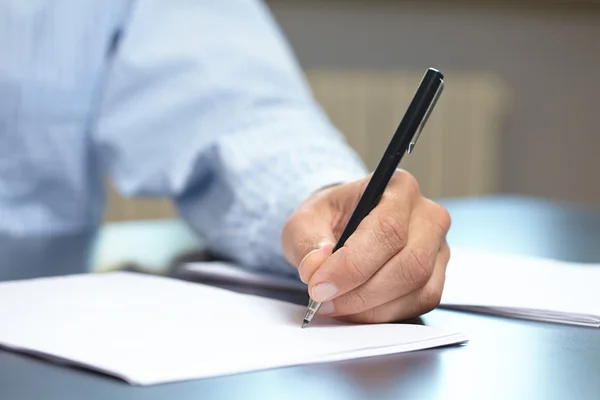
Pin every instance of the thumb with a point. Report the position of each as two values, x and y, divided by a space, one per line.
307 241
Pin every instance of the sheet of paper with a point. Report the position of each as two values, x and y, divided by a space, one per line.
482 282
149 330
220 272
523 287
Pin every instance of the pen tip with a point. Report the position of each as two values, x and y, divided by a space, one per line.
304 324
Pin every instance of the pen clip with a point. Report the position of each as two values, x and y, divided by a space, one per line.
413 141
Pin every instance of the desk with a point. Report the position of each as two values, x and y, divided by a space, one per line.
506 359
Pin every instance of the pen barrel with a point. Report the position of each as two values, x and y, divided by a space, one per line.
410 126
403 141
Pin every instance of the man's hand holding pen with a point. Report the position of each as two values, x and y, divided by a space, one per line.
391 268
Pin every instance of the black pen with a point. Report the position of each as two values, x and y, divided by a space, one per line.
402 142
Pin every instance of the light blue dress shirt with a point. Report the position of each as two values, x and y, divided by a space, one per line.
198 100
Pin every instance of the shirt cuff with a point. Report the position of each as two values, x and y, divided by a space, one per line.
308 175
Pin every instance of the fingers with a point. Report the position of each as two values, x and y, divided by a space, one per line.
407 271
378 238
307 240
313 260
309 236
302 234
412 305
392 267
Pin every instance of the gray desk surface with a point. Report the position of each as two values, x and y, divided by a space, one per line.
505 359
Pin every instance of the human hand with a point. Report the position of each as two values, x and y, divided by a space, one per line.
391 268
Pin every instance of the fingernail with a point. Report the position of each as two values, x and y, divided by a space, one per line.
324 291
327 308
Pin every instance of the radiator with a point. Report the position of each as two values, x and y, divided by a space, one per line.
458 152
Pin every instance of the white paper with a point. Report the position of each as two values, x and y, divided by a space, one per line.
515 286
220 272
148 330
523 287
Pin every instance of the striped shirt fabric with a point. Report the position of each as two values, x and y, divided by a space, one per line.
201 101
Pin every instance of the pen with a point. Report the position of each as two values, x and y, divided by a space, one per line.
403 141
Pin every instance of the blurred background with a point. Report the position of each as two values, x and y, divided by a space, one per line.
520 111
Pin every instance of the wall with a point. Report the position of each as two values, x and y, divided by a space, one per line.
550 55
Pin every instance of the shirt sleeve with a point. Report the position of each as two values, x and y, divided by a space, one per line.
204 102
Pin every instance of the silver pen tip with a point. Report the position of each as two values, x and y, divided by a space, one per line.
304 324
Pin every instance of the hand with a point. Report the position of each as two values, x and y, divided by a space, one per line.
392 268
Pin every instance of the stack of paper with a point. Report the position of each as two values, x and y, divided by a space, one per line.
233 275
482 282
149 330
523 287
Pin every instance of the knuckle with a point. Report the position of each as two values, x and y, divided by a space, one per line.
353 269
306 244
443 217
439 214
391 232
355 302
408 181
416 268
430 298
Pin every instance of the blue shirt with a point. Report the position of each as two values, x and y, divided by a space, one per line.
198 100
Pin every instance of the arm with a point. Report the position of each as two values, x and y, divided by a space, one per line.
204 102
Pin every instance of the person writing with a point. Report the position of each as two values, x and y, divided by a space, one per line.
203 102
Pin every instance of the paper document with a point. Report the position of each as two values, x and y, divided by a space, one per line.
220 272
523 287
494 283
149 330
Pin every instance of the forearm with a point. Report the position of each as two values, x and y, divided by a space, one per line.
270 169
203 102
